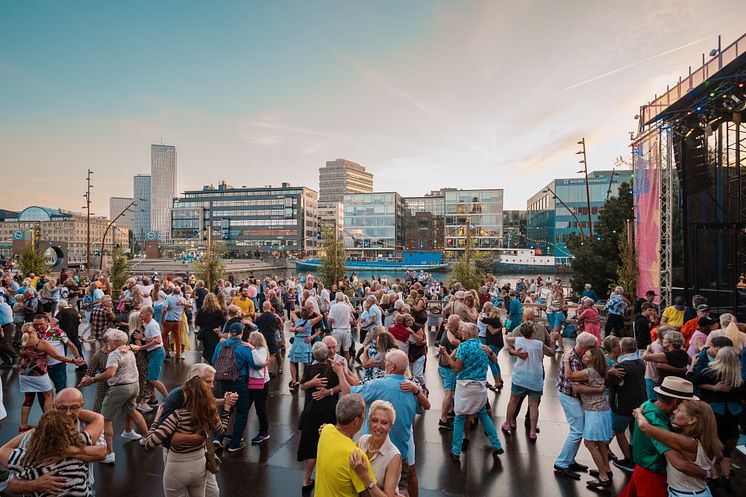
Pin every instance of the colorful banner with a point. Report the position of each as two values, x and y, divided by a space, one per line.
646 192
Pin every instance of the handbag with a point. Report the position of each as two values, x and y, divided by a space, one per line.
213 462
257 383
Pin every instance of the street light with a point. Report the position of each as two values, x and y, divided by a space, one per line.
572 212
584 161
106 232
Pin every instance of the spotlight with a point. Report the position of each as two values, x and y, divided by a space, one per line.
714 52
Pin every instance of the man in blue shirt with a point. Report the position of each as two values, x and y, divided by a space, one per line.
403 395
243 361
589 292
470 362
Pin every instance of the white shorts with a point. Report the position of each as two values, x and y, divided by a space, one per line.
344 339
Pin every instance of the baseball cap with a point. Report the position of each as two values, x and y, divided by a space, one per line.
703 308
651 292
235 329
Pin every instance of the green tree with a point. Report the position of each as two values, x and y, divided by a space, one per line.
32 261
467 270
597 259
627 271
120 270
211 268
333 267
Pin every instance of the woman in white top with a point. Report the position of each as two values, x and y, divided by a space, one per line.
259 384
383 455
697 441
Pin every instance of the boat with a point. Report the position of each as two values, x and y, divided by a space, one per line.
410 261
527 261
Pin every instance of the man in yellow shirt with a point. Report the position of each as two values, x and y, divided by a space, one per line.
244 302
334 472
674 315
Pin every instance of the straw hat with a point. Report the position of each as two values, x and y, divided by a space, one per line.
678 388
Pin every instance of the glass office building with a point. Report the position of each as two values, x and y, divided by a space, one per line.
141 221
550 223
423 222
162 188
278 220
475 215
373 224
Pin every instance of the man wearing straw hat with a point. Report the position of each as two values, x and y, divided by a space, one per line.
651 457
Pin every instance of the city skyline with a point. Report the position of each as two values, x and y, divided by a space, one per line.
424 95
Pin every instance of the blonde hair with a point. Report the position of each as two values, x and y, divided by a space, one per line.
705 431
728 366
735 335
257 339
25 333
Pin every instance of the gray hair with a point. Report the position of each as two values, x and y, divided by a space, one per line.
320 352
350 407
726 318
587 300
115 335
676 338
585 339
257 339
383 405
619 290
148 309
469 329
339 297
199 369
62 304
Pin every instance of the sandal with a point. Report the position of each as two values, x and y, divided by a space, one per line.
309 487
24 428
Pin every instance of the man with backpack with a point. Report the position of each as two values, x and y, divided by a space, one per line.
232 360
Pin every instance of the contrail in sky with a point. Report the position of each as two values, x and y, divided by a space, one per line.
637 63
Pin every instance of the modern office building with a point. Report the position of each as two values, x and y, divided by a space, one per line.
66 229
515 223
476 215
560 209
337 178
162 188
141 221
280 220
373 224
423 222
125 207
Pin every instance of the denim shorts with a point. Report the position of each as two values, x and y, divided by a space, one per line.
449 378
520 391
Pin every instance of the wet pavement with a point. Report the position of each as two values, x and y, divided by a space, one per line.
272 469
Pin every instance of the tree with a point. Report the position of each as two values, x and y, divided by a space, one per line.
596 260
120 271
627 270
211 267
333 268
32 261
466 270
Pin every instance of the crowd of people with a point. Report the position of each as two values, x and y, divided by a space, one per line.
669 388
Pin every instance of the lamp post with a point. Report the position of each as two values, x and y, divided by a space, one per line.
87 196
584 161
572 212
106 232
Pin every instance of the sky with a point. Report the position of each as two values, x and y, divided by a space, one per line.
424 93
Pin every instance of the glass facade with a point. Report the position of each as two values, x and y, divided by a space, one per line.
373 222
162 188
141 191
475 214
550 223
423 222
514 229
248 219
116 206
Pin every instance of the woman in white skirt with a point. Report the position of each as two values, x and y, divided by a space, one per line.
597 430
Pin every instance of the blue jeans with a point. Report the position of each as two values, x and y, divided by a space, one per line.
574 415
489 430
241 387
58 375
649 385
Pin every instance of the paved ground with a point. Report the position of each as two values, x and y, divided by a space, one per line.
272 469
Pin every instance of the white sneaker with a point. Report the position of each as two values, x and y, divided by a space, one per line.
141 441
109 459
144 408
131 435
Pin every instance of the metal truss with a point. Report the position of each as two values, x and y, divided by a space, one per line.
666 179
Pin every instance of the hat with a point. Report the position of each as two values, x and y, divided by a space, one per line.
651 292
678 388
235 329
460 294
703 308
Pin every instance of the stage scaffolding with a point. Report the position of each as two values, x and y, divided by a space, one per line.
689 159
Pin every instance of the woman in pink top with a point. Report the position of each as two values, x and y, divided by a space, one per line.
588 320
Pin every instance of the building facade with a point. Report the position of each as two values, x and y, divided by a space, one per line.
117 206
162 188
424 222
515 223
277 220
141 222
337 178
550 223
473 216
373 224
66 228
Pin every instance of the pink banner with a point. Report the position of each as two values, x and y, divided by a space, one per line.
645 157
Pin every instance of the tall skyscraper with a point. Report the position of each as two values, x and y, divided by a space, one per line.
116 206
162 188
141 191
337 178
